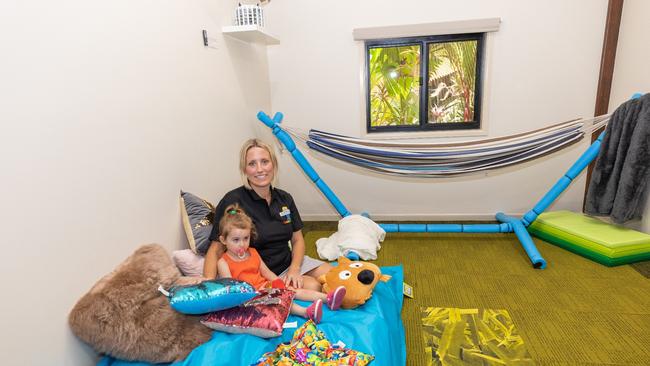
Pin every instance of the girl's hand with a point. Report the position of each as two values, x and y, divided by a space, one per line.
293 278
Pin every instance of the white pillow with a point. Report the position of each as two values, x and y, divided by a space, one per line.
356 233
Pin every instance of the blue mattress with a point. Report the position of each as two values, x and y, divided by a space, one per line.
375 328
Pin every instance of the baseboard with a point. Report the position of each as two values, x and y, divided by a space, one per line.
411 217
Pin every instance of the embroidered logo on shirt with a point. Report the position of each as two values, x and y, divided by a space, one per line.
285 214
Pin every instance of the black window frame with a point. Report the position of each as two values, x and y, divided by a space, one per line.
424 42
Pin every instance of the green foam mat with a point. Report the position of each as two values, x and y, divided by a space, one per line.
604 243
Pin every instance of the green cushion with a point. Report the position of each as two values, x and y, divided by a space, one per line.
604 243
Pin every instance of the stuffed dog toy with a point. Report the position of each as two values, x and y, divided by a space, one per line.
358 278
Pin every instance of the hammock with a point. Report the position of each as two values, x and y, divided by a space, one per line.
443 159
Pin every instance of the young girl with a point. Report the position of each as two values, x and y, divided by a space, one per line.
243 263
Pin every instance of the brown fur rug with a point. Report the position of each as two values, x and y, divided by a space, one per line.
124 315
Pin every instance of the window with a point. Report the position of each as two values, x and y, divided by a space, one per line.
399 100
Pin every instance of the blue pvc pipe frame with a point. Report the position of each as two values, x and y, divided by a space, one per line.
508 224
287 141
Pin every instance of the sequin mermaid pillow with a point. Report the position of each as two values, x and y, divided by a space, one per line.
262 316
209 295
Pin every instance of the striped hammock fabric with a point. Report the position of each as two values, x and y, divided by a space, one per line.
445 159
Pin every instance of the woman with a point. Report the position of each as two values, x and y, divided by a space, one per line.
276 219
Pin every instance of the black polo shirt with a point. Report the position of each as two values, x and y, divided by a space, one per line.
275 223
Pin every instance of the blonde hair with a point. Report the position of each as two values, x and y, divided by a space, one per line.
242 159
235 217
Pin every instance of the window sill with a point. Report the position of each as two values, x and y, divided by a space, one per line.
422 135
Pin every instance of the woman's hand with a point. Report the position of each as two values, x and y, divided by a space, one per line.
293 278
186 281
211 257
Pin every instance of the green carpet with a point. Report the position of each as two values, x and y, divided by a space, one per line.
575 312
643 268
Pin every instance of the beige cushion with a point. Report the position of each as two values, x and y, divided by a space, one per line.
190 263
124 315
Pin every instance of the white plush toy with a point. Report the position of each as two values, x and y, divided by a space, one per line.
356 235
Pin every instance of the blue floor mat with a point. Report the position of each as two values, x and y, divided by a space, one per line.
375 328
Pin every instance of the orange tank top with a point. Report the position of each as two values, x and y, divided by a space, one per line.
247 270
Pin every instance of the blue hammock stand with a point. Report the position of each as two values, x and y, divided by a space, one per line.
508 224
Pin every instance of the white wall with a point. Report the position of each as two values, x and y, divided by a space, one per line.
542 68
107 110
630 71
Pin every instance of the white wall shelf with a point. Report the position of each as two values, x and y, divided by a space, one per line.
250 33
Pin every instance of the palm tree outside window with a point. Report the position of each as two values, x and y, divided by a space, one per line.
400 100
